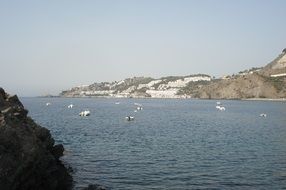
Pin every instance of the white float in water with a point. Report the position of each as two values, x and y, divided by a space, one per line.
70 106
48 103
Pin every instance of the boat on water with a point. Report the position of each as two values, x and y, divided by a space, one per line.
70 106
221 108
84 113
48 104
263 115
129 118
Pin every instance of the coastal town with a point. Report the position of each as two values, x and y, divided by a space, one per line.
264 82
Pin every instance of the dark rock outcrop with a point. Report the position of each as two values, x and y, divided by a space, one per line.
28 157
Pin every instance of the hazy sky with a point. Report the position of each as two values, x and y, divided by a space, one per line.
48 46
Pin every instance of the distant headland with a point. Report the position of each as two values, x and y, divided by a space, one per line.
268 82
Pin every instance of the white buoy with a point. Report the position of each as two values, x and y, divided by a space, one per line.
70 106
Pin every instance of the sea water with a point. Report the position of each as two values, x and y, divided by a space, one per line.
171 144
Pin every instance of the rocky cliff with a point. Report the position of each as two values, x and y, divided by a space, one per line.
277 66
243 87
266 82
29 158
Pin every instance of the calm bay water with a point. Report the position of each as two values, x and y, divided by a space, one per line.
171 144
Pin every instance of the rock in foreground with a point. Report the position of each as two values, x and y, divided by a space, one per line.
29 159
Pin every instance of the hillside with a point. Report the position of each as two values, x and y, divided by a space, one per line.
166 87
243 87
265 82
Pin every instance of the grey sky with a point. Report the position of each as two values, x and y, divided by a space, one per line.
48 46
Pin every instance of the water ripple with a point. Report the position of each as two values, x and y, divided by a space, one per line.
172 144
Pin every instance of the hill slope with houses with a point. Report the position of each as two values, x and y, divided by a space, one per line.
264 82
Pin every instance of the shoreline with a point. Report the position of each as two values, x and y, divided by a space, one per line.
110 97
266 99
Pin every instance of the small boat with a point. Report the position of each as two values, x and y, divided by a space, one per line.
129 118
70 106
218 103
222 108
84 113
263 115
48 103
139 108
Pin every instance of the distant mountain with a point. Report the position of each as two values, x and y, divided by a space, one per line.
264 82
